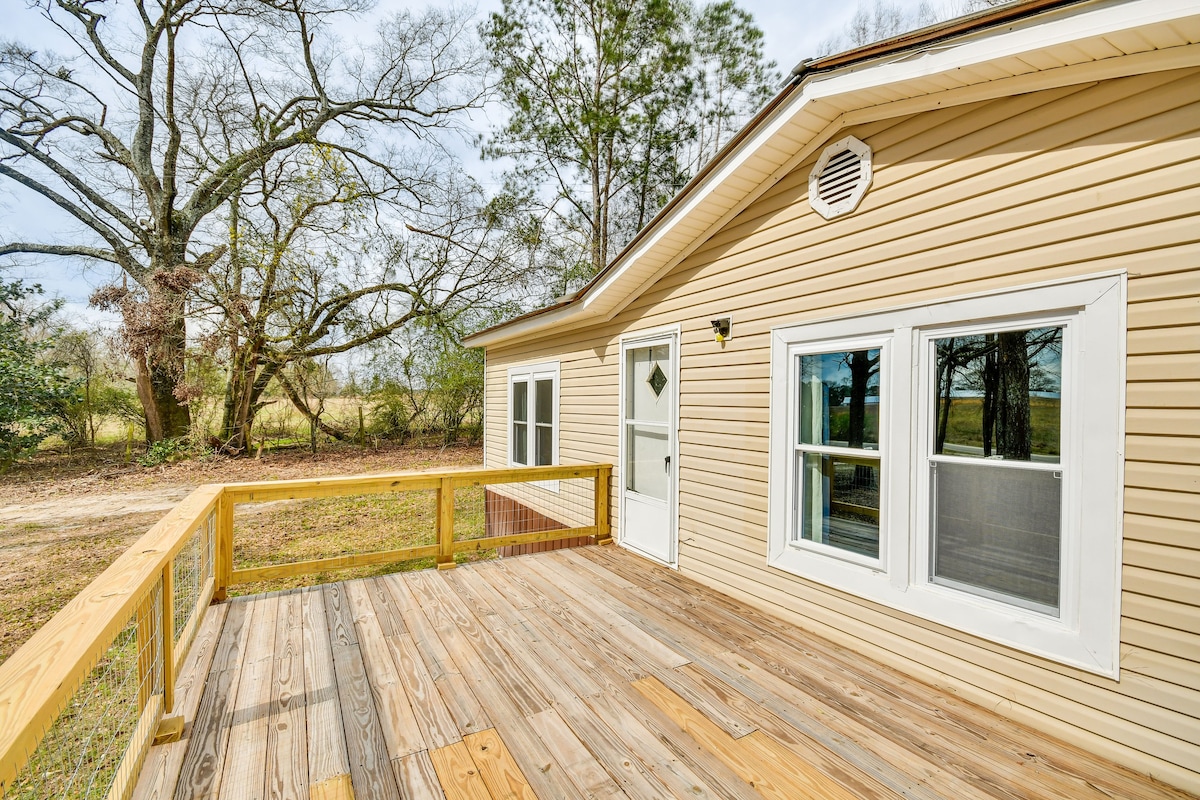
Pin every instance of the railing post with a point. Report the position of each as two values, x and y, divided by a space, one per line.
445 524
170 729
223 568
603 505
168 636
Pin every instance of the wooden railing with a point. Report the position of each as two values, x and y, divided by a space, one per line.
144 591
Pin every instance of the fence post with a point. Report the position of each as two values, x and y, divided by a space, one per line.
170 729
168 636
445 524
603 505
223 568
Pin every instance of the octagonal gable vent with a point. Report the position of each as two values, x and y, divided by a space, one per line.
840 178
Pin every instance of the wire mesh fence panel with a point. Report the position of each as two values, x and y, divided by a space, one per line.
192 570
532 507
298 531
95 746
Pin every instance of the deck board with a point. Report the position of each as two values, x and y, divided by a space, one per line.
572 674
287 745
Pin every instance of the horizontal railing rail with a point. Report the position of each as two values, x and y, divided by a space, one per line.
130 630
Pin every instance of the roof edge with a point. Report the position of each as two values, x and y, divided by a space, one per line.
569 307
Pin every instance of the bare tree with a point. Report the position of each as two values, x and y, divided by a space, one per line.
123 134
311 275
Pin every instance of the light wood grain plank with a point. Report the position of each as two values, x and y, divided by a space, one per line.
772 771
434 719
457 773
521 635
327 756
497 767
582 767
539 766
208 738
845 760
630 760
160 772
642 646
370 767
474 650
245 764
457 695
532 656
417 778
590 633
666 749
339 787
395 712
340 615
390 620
287 733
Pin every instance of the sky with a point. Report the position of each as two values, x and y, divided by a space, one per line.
793 31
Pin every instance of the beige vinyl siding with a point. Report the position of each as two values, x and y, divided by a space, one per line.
1048 185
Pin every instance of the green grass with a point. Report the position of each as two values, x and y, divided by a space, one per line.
965 426
839 423
307 530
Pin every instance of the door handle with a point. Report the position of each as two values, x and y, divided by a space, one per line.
667 464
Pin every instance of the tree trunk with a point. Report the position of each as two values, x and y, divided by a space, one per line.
861 369
991 392
159 372
945 386
1015 439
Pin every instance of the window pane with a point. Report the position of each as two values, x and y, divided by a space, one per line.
544 444
839 502
520 433
544 407
646 463
643 401
839 399
999 395
520 395
996 532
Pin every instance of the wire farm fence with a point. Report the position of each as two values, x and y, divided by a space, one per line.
485 513
83 754
93 745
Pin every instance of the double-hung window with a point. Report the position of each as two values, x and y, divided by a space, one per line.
837 448
533 415
961 461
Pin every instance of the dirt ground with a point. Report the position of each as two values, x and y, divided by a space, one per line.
63 519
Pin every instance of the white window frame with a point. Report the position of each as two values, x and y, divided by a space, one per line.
530 374
883 344
1093 309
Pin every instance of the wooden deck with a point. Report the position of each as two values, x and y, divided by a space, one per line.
583 673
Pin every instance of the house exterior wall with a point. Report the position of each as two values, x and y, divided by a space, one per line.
1054 184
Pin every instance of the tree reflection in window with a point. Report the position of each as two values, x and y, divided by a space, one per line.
998 394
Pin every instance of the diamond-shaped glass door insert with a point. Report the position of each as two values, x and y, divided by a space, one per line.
657 380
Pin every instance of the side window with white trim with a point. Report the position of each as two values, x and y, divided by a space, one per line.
961 461
837 444
533 415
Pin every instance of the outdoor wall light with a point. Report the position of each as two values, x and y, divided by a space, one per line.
722 327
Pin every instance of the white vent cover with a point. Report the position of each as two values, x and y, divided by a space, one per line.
840 178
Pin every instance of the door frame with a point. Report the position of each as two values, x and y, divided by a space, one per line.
626 341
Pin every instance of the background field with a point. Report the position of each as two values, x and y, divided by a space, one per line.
64 519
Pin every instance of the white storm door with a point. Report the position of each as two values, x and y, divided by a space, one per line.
648 424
